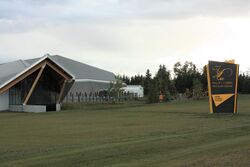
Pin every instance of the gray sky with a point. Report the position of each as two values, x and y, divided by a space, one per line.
127 36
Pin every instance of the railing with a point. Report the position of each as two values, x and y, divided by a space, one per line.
83 97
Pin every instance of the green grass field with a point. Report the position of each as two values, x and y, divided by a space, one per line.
174 134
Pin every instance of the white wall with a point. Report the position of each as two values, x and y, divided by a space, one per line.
138 89
28 108
58 107
34 108
4 101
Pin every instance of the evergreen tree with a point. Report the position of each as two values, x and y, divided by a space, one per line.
204 78
172 88
125 79
147 82
162 79
153 92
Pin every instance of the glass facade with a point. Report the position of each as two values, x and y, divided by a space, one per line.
46 91
18 92
15 97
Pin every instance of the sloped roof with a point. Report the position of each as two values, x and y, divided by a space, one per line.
80 71
9 70
83 71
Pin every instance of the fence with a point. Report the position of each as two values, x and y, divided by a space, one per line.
98 97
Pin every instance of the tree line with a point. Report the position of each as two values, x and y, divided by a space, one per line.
187 80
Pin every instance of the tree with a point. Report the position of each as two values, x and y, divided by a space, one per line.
153 92
244 84
172 88
162 79
115 88
137 80
197 88
147 81
204 78
241 80
125 79
184 75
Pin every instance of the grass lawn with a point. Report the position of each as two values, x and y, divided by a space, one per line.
174 134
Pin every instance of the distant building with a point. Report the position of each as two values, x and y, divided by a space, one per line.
41 84
135 89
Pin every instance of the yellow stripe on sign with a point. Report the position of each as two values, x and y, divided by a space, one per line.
221 98
209 90
236 88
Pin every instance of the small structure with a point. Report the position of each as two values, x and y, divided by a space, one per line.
135 89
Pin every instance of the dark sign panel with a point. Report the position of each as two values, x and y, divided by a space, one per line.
222 86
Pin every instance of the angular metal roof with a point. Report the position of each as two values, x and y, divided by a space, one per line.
79 70
9 70
83 71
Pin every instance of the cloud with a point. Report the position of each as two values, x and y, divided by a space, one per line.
119 9
25 15
124 36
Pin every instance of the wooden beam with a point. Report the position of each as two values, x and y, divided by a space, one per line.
21 77
61 91
34 85
59 71
35 68
61 81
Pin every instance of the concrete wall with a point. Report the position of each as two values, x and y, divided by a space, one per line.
4 101
18 108
34 108
28 108
58 107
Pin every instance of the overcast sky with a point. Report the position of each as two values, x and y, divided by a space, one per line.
127 36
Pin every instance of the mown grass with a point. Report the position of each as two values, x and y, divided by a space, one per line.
173 134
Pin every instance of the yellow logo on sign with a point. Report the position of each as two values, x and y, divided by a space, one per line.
219 73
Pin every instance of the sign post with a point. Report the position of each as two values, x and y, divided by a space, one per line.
222 86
